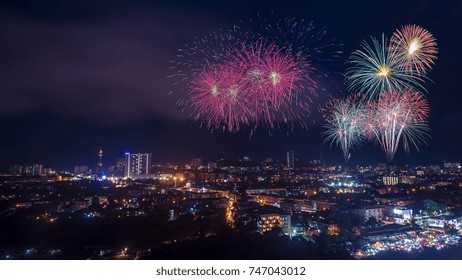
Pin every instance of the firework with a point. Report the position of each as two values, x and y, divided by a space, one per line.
390 78
415 49
271 74
218 98
273 78
397 116
375 69
345 123
204 52
276 77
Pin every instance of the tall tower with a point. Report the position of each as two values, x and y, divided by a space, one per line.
100 157
291 159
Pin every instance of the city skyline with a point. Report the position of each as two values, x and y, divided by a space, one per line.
330 156
142 165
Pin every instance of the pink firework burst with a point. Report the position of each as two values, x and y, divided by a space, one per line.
397 116
273 79
415 48
219 99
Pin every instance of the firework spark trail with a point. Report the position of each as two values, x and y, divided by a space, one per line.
345 123
415 48
374 70
397 116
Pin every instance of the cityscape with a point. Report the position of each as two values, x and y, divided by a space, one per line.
135 208
230 130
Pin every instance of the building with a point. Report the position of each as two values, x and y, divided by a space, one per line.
451 165
390 180
402 215
16 169
81 170
442 221
316 162
196 163
291 159
435 168
408 180
367 212
400 199
322 205
34 170
212 165
48 171
268 222
137 164
388 189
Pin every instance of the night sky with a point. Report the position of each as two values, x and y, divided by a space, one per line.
79 75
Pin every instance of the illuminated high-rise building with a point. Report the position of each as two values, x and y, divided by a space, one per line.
291 159
34 170
137 164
